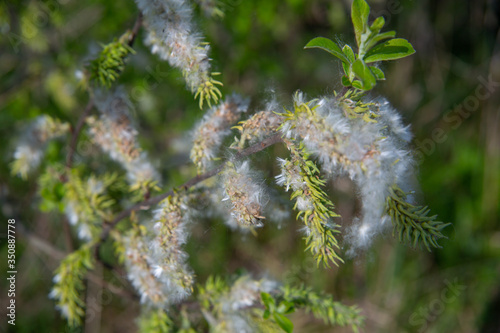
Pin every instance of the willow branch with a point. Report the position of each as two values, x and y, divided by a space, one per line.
81 120
144 205
78 128
135 30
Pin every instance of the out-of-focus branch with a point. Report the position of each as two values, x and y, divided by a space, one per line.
76 133
56 254
135 30
78 128
90 104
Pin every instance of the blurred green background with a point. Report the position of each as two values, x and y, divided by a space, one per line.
258 48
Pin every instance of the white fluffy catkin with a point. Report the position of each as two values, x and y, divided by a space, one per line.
172 35
375 155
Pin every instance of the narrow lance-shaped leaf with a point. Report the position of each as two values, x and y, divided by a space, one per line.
377 25
370 35
283 322
390 50
362 71
378 38
327 45
349 53
359 14
345 81
377 72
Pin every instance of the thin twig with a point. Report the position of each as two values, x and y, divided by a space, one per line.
135 30
111 287
68 241
144 205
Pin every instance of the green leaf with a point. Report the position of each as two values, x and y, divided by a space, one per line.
377 72
327 45
348 53
379 37
378 24
359 14
283 322
345 81
364 73
390 50
289 307
285 307
412 223
358 84
347 71
267 300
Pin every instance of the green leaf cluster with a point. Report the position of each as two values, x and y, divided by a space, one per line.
110 63
89 199
208 91
69 284
51 189
278 310
321 306
411 223
143 189
320 238
290 298
216 299
155 321
213 289
373 46
354 107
